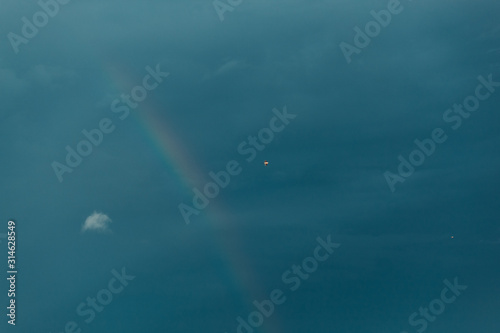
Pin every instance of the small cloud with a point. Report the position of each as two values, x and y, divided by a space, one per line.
97 222
230 66
10 82
52 76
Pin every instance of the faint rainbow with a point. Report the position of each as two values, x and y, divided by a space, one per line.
174 154
159 132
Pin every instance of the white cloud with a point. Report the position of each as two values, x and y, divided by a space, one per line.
97 222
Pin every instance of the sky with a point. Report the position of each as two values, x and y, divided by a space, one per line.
133 142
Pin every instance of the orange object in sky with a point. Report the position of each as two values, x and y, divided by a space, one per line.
266 162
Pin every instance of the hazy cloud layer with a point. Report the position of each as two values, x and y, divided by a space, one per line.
325 173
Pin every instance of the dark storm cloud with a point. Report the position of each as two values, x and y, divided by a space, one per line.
325 172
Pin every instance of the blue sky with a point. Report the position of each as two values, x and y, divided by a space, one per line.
152 100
